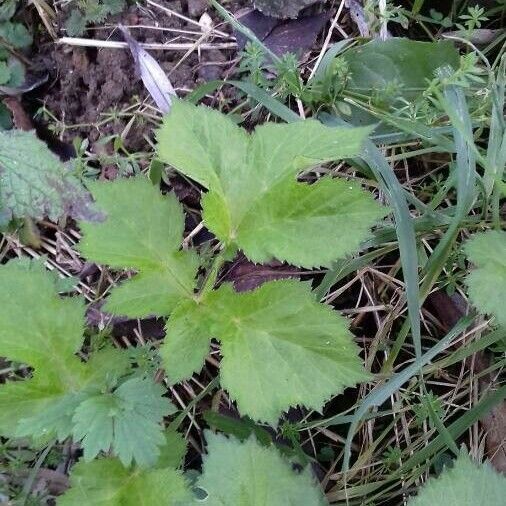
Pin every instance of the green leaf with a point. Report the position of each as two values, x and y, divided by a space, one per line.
7 9
280 347
465 484
5 121
34 182
407 64
143 231
34 408
254 199
487 283
127 421
52 420
249 474
65 395
292 212
5 73
17 73
15 34
173 450
106 482
282 8
39 329
75 25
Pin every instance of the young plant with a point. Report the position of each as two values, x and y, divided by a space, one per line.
280 347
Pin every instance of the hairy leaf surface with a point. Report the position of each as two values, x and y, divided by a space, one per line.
465 484
39 329
128 421
106 482
280 347
34 182
254 199
143 231
66 396
487 283
249 474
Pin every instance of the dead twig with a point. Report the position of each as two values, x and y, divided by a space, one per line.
111 44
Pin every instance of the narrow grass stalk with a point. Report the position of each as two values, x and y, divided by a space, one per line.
381 393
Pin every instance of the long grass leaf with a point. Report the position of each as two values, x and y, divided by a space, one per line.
381 393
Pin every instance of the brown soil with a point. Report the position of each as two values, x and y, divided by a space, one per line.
87 83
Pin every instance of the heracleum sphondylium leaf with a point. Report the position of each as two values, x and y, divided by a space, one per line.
143 231
487 283
465 484
106 482
280 347
44 331
248 474
247 175
126 421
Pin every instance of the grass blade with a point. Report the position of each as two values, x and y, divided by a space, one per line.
381 393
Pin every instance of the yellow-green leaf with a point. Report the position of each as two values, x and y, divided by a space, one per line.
280 347
464 484
253 188
248 474
487 283
143 230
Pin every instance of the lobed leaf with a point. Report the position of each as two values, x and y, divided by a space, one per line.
106 482
65 396
15 34
143 231
465 484
247 473
487 283
127 421
254 200
39 329
280 347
